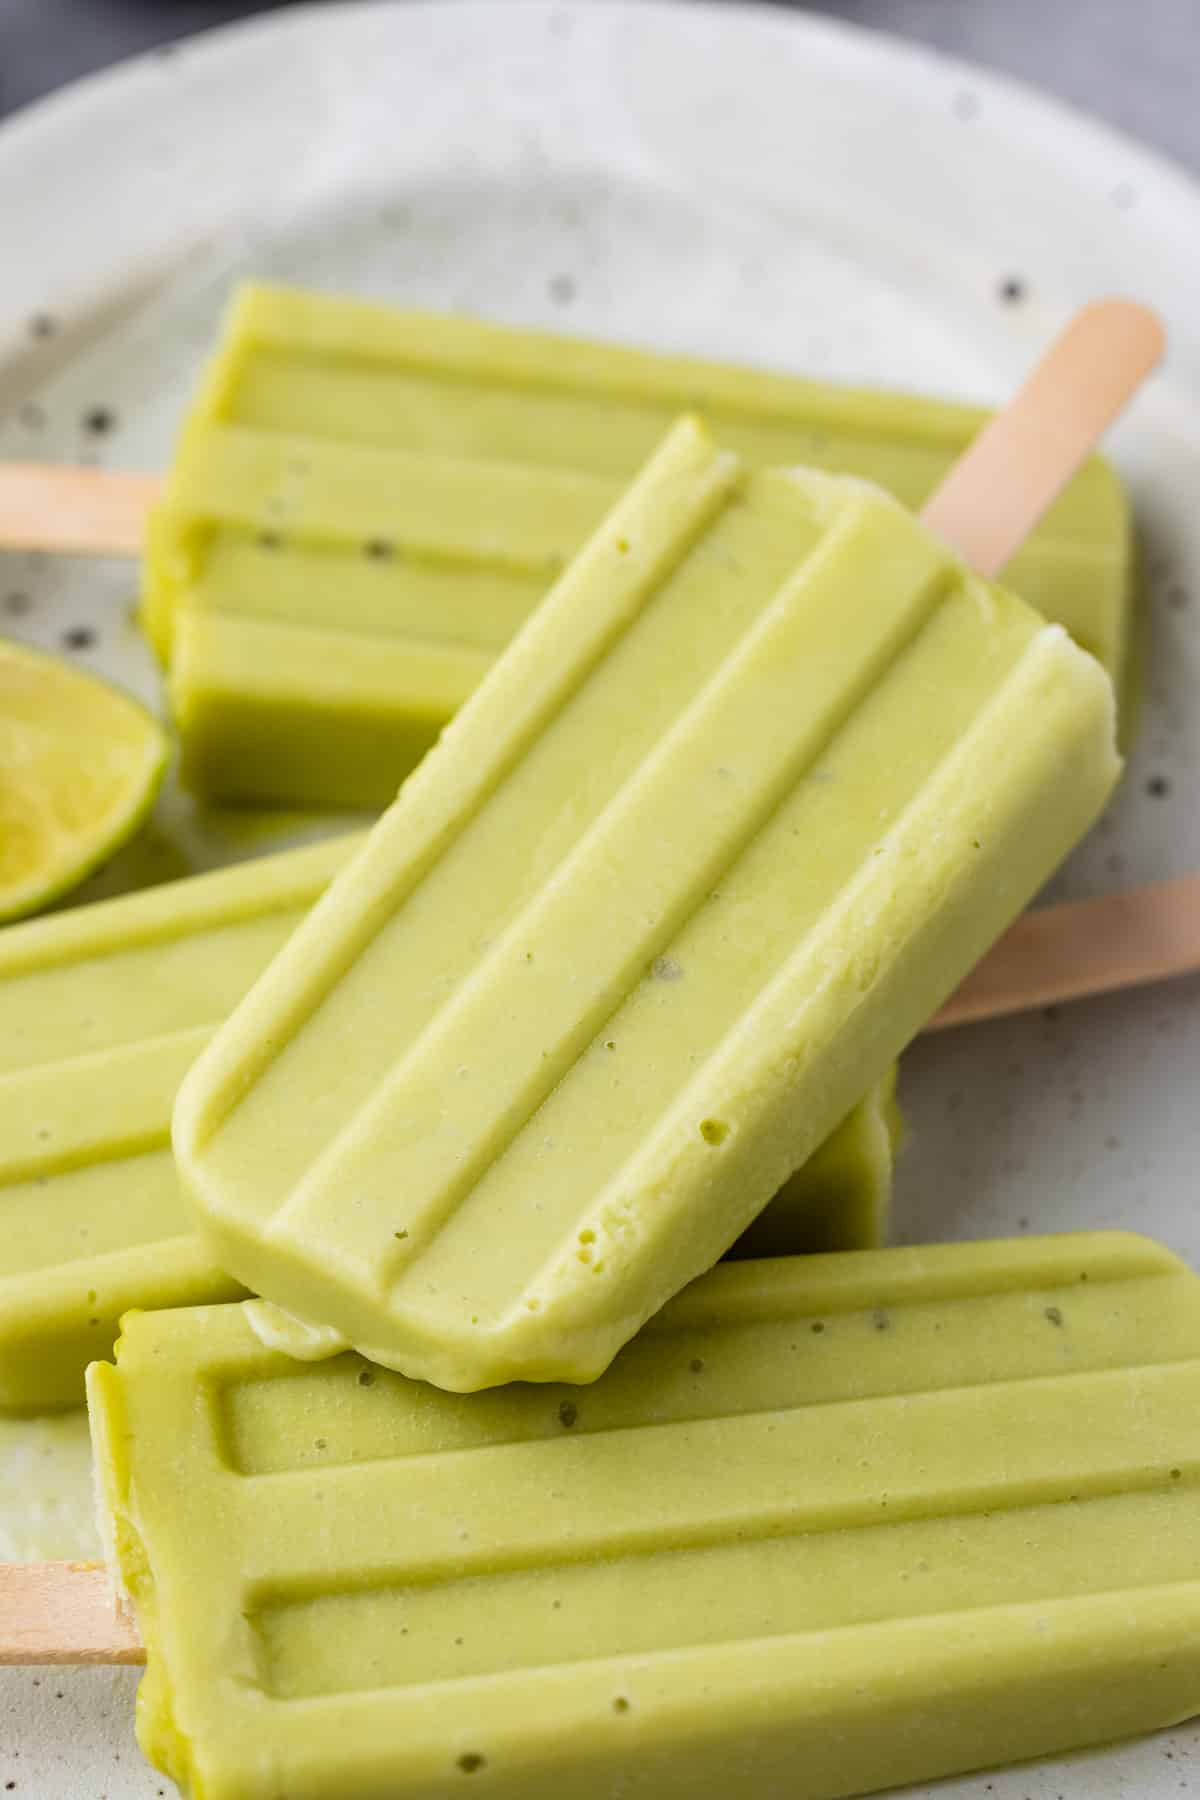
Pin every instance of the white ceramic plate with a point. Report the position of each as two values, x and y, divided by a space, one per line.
736 182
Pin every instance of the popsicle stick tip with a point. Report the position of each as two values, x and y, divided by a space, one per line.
61 1613
1137 323
74 511
1022 459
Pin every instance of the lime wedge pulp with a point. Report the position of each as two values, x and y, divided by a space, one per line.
80 764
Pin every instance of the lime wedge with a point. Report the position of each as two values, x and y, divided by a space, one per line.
80 765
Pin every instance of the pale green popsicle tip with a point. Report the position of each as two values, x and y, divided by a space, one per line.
80 765
104 1007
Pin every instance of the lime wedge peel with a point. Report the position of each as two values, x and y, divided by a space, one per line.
80 764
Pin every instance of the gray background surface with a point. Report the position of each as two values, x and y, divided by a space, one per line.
1133 62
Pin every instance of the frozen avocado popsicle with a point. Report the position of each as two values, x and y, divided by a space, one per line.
829 1525
751 792
367 503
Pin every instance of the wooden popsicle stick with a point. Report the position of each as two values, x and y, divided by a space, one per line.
1000 487
1130 938
63 1612
74 511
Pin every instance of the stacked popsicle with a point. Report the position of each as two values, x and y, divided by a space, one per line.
758 783
749 792
367 504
